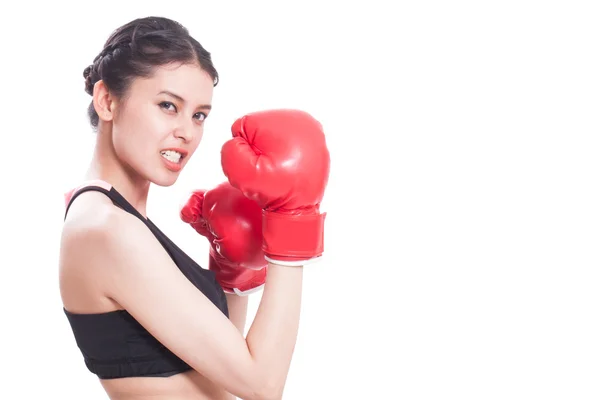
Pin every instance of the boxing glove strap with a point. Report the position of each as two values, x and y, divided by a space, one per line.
293 237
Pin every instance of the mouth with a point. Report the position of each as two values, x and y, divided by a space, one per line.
173 156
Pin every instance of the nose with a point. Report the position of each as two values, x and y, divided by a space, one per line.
185 131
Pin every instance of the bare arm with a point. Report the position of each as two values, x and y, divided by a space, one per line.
143 279
238 310
272 335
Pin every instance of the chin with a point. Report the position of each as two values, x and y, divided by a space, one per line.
164 181
162 177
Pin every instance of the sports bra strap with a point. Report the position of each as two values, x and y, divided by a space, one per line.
107 189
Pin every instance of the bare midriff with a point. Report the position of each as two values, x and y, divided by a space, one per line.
185 386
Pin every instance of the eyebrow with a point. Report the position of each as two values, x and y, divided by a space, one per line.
203 106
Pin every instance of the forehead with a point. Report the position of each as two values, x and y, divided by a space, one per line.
187 80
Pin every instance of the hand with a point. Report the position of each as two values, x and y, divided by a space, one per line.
232 224
280 160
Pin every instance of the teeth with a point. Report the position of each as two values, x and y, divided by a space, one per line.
171 155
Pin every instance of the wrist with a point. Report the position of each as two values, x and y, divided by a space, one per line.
293 239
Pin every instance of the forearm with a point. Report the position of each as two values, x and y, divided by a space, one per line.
272 336
238 310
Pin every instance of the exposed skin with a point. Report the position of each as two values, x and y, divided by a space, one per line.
109 260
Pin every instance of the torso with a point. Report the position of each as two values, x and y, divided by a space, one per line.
82 292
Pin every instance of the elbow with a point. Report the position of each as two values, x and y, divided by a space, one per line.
264 382
268 390
270 394
273 393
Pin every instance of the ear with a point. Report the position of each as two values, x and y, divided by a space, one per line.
103 102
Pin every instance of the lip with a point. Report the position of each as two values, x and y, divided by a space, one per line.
171 166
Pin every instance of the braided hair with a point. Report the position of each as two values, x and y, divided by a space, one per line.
136 48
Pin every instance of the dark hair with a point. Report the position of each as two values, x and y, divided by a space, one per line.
136 49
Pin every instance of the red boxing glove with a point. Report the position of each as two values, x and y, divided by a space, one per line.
232 224
279 159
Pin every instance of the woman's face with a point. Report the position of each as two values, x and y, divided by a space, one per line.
159 124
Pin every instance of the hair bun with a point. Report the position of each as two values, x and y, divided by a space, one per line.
89 85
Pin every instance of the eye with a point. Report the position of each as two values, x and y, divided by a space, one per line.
166 105
200 116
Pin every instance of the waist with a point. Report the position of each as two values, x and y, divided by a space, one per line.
188 385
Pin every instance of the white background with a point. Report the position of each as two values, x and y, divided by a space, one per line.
463 227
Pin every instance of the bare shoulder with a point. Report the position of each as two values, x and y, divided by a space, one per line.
90 213
93 230
93 220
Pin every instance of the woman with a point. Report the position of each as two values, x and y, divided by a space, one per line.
149 321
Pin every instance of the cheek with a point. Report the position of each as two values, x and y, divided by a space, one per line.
200 135
131 146
197 139
139 132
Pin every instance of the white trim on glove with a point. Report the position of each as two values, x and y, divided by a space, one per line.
298 263
247 292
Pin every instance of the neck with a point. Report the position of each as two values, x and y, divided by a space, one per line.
105 165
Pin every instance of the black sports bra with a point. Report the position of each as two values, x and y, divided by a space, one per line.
114 344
